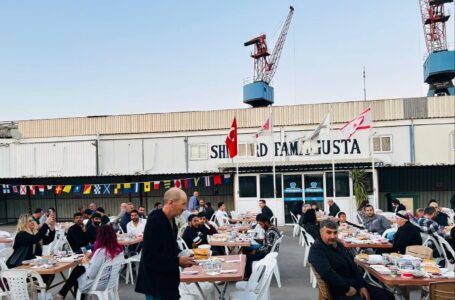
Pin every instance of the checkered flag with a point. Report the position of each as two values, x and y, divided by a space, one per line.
97 189
6 189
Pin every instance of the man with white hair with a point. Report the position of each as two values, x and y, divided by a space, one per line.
407 234
159 274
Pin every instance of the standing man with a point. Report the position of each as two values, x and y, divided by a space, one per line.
333 208
159 274
194 202
265 210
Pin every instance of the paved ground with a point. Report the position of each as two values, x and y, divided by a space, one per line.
294 277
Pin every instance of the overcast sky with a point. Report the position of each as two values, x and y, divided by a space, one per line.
80 58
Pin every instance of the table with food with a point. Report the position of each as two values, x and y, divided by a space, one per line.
232 241
357 239
213 269
405 274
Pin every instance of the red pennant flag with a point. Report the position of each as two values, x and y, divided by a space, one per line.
156 185
217 180
231 139
178 183
185 183
32 190
58 189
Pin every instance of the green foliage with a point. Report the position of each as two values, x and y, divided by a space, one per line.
359 178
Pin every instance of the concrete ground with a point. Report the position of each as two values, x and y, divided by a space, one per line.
295 279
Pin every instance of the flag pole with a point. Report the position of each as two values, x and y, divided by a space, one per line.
273 156
332 154
237 188
375 203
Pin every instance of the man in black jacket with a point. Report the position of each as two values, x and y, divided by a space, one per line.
406 235
330 259
159 275
333 208
193 234
77 234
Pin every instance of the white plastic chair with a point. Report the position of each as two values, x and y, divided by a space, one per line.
295 222
274 221
308 243
384 234
190 291
181 243
262 276
5 253
17 284
234 214
181 230
445 249
429 240
112 268
136 259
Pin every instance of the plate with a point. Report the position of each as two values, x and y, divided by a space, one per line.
190 272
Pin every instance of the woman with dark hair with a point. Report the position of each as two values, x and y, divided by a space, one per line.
310 223
82 277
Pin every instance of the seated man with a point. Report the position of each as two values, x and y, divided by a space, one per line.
330 259
429 226
271 235
77 234
136 225
104 218
374 222
441 218
193 235
142 212
221 216
93 227
208 228
406 235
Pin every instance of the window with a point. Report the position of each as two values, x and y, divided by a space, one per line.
248 187
198 151
247 150
382 144
266 183
341 184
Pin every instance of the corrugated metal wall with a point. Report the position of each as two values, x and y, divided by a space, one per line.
221 119
12 205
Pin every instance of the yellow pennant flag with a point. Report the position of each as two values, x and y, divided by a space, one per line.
117 188
147 186
67 189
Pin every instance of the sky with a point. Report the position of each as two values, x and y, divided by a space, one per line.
84 58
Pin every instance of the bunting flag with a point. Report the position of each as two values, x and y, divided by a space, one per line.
41 189
58 189
107 189
77 189
207 180
127 188
97 189
117 188
196 180
6 189
15 189
217 180
32 190
187 183
167 184
23 190
67 189
178 183
156 185
137 187
147 186
87 189
49 187
227 178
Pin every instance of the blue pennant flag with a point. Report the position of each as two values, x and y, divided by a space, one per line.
77 189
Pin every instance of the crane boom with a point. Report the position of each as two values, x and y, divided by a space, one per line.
433 21
276 54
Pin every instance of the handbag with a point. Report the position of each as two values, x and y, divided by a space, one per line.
17 257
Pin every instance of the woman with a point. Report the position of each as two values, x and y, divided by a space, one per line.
82 277
310 223
342 220
29 240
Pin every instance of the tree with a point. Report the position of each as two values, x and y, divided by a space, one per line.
359 178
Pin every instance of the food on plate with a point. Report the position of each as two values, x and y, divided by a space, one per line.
431 269
201 253
394 254
362 256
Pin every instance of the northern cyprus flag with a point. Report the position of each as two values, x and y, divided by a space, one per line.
361 122
265 129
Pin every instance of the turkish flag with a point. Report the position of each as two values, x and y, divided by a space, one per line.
231 139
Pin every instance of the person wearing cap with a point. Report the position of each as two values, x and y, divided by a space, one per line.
406 235
37 214
104 218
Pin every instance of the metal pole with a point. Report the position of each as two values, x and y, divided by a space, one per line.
364 85
333 157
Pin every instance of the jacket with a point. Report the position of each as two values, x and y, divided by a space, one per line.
333 210
406 235
376 223
336 268
32 241
77 238
266 211
159 273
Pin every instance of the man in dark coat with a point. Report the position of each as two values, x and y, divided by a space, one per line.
265 210
159 275
330 259
333 208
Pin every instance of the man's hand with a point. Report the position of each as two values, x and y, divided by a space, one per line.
352 291
186 261
364 293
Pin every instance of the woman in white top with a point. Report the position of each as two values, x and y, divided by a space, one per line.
106 249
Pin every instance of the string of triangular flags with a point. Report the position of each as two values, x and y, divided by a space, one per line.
117 188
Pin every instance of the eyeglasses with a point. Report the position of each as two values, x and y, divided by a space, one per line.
31 220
